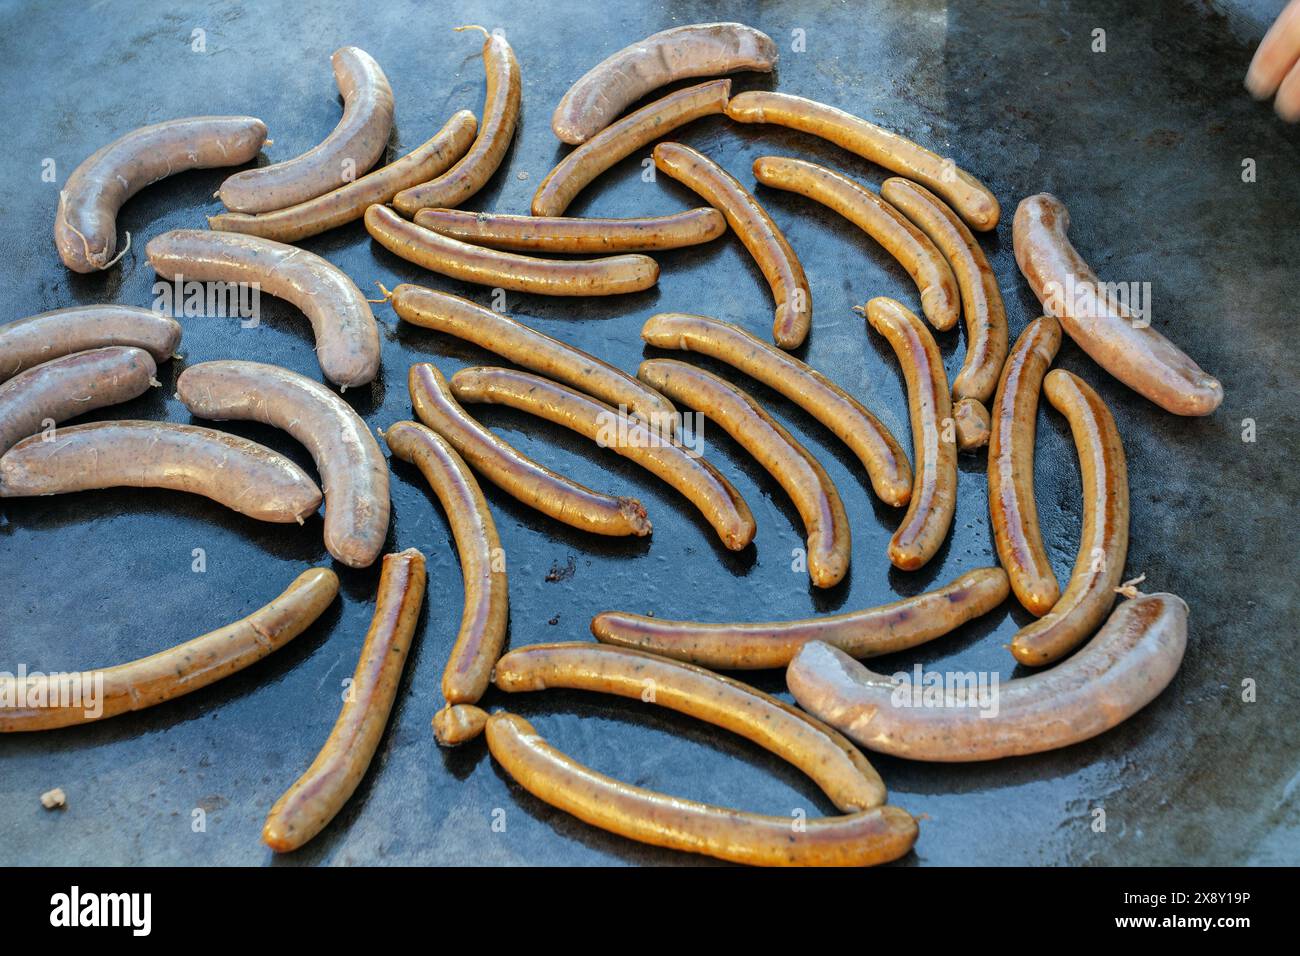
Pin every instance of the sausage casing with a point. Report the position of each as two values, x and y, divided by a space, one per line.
28 342
558 234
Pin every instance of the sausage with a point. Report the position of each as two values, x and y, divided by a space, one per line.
316 797
1126 666
765 242
879 630
862 432
611 275
1012 508
1103 546
572 174
966 194
238 473
557 234
972 421
795 469
1136 354
860 206
356 144
27 342
500 116
524 346
865 838
518 475
834 764
698 481
934 487
456 724
619 80
981 300
85 228
69 386
347 338
349 202
353 472
169 674
486 609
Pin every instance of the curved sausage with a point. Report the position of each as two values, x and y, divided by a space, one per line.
860 206
69 386
862 432
619 80
572 174
972 421
353 472
966 194
500 116
981 300
28 342
486 610
238 473
456 724
1134 353
749 221
879 630
697 480
524 346
1125 667
612 275
1012 508
316 797
557 234
795 469
347 338
865 838
172 673
85 229
1103 546
350 202
934 487
356 144
834 764
518 475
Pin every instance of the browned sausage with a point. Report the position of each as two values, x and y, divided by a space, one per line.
27 342
972 421
557 234
456 724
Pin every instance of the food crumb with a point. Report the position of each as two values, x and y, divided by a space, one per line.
54 799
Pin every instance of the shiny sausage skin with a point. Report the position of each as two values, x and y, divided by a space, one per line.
981 300
238 473
804 479
350 202
181 669
28 342
311 803
500 117
557 234
69 386
1103 546
619 80
879 630
1141 358
755 228
85 228
353 472
1013 509
518 475
347 338
862 432
356 144
866 838
934 487
971 198
524 346
612 275
901 239
972 421
457 724
1126 666
834 764
486 610
572 174
698 481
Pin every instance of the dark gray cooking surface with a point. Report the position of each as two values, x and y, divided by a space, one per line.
1145 143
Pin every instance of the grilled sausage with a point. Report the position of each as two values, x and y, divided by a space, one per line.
456 724
972 421
557 234
27 342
